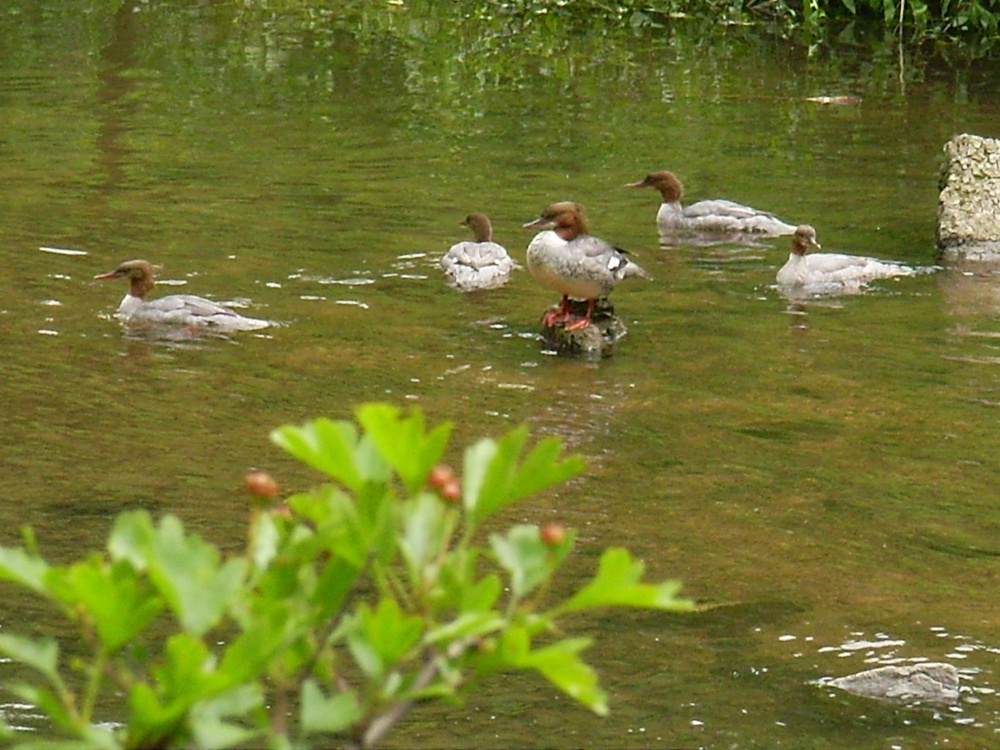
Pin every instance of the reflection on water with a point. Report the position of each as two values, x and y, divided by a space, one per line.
817 466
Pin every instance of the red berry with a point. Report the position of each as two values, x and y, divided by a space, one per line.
452 490
261 484
440 475
553 534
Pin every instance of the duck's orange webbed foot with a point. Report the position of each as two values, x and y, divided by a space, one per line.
583 322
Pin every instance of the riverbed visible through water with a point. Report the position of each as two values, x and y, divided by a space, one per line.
821 475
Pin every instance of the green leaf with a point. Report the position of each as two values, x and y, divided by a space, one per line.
378 511
392 631
617 584
131 538
524 555
22 567
186 570
460 588
113 597
41 654
270 632
87 738
335 582
562 667
481 595
325 445
425 533
558 662
402 442
478 458
494 479
381 637
150 722
328 715
184 679
264 540
471 624
49 704
335 518
187 673
209 719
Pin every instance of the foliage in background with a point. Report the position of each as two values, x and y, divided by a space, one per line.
971 22
351 603
918 18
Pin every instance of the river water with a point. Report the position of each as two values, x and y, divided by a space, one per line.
821 476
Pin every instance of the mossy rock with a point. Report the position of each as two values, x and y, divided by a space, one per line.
597 340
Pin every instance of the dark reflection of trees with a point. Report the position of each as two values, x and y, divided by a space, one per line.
118 57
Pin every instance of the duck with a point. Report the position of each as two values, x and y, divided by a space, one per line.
479 263
565 258
175 309
832 270
708 216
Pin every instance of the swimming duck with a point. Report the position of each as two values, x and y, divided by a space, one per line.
565 258
832 269
707 217
174 309
480 263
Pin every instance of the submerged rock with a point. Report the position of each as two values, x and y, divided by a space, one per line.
969 202
930 682
599 339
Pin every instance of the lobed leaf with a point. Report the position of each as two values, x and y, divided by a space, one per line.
113 597
381 637
425 534
333 714
618 584
471 624
187 573
527 559
249 654
131 538
41 654
402 442
50 704
562 667
325 445
151 723
210 720
494 478
22 567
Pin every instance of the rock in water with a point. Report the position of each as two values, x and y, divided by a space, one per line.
969 202
599 339
930 682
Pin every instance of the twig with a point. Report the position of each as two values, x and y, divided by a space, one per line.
381 725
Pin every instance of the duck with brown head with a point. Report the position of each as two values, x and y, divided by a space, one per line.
564 257
833 272
174 309
709 216
478 264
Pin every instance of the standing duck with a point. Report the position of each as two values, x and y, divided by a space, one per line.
174 309
709 216
832 270
480 263
565 258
